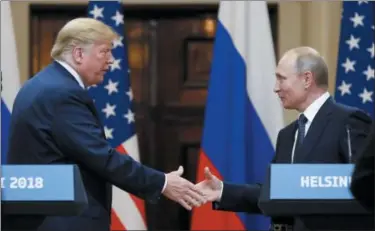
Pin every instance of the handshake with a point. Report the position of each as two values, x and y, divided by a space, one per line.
189 195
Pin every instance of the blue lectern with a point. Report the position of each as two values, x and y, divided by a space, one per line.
47 190
316 194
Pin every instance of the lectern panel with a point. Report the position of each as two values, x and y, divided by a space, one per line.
311 181
42 190
318 195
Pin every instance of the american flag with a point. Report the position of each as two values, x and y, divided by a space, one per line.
113 100
355 78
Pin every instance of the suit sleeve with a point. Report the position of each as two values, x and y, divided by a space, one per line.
357 125
239 198
362 186
78 134
242 197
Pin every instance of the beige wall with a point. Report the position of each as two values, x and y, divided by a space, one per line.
313 24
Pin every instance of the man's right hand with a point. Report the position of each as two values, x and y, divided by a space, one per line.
211 186
182 191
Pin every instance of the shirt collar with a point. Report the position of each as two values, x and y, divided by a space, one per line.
72 72
313 109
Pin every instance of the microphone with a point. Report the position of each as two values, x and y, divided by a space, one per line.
349 144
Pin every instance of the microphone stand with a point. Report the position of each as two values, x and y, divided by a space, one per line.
349 144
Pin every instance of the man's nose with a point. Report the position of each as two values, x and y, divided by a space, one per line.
110 58
276 88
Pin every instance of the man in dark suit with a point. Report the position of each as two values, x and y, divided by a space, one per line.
54 121
319 135
363 181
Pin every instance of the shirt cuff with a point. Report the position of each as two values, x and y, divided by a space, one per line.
165 183
221 191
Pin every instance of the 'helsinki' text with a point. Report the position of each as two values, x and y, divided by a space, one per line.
325 181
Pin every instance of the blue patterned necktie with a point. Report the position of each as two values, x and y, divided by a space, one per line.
302 120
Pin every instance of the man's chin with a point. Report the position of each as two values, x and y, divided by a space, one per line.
99 80
287 106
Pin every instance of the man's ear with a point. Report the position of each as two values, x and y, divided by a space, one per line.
308 77
77 54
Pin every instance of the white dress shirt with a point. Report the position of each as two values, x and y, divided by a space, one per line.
75 74
310 113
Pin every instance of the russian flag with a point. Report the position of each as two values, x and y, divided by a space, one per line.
243 115
10 78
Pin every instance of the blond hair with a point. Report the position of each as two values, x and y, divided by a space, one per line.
81 32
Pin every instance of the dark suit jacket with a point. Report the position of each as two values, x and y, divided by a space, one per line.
325 142
363 181
54 121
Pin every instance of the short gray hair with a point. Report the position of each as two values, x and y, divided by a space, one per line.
308 59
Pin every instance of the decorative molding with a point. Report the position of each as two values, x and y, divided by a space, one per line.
197 57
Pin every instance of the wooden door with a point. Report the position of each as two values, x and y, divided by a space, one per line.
170 50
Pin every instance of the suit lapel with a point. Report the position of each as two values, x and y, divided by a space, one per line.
93 109
95 112
286 146
317 127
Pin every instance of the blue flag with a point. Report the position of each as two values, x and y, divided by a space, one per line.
114 102
355 67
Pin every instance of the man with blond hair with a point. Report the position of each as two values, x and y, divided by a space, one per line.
57 122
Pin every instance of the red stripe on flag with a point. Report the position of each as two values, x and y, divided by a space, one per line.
204 217
121 149
137 201
140 206
116 224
